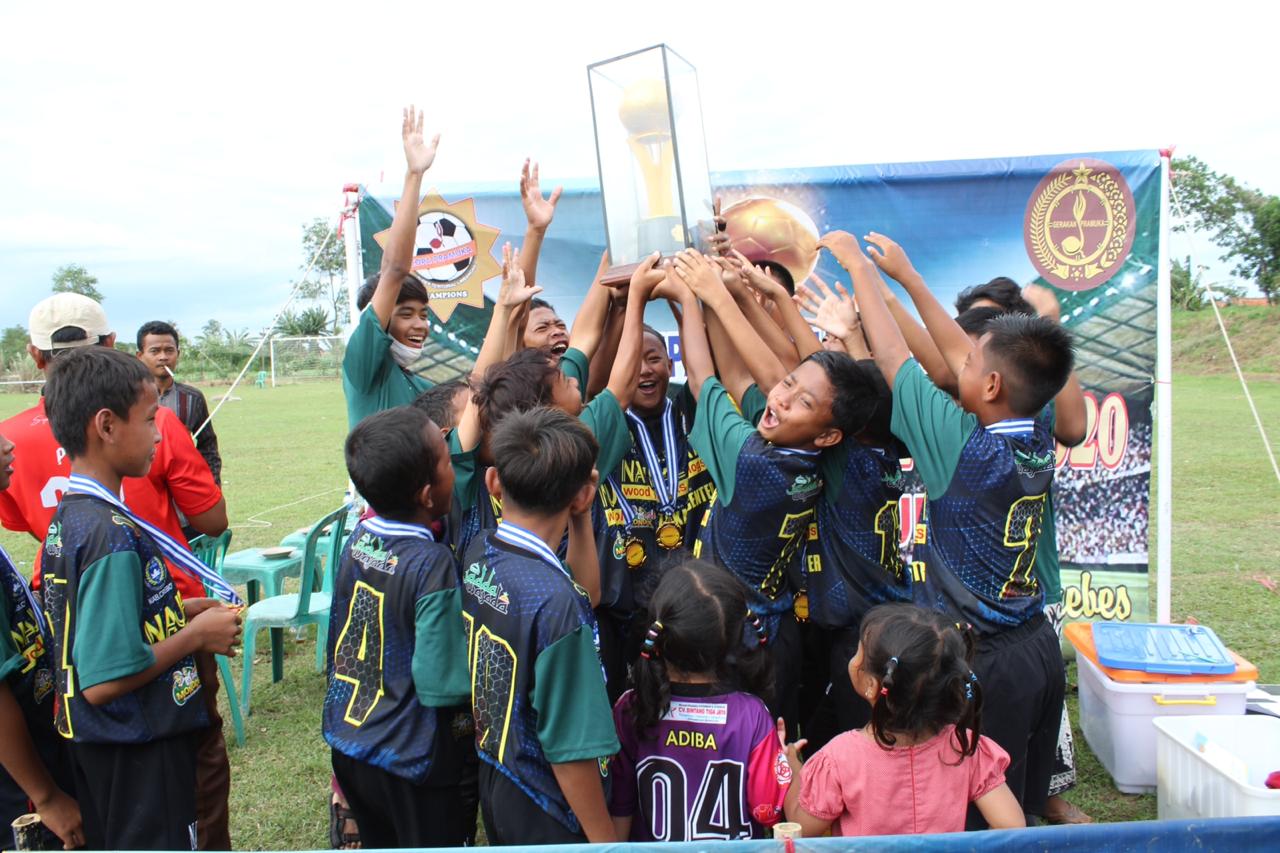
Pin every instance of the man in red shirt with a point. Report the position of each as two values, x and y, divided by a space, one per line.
179 480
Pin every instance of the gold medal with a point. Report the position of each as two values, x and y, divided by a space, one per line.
636 557
669 535
801 607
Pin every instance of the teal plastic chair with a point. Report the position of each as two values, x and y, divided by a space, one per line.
212 551
263 577
307 606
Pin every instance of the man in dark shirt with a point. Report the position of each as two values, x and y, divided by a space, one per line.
158 348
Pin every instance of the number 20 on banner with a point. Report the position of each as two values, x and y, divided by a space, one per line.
1106 435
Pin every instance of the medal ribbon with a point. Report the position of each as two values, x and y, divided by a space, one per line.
385 527
182 557
36 610
666 488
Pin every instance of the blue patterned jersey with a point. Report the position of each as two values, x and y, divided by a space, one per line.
537 690
106 578
854 561
765 495
987 492
398 682
631 560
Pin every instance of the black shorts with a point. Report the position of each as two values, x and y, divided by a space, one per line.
55 754
138 796
512 817
391 811
787 651
1022 678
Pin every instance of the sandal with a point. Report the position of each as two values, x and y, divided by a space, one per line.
343 832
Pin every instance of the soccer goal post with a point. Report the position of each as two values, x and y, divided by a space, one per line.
294 359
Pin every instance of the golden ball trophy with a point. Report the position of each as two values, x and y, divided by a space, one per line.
652 155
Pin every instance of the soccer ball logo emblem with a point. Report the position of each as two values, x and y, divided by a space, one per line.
445 250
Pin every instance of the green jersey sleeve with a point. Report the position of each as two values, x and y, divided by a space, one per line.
719 434
440 676
575 365
753 404
572 708
1048 567
466 474
606 420
931 424
109 604
368 355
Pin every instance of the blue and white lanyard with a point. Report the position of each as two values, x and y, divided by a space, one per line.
1013 426
16 579
514 534
182 557
385 527
665 489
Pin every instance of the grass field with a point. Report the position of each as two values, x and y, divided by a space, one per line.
282 451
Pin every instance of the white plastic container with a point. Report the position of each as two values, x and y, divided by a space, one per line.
1191 784
1116 718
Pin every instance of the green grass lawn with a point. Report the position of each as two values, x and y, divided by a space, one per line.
282 451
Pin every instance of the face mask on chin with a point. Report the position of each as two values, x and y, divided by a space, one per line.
404 354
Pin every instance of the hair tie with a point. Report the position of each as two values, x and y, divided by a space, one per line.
650 638
968 686
889 669
759 628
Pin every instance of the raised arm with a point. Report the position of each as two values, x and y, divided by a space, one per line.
588 326
513 295
538 212
694 349
602 361
626 365
836 314
748 302
802 337
887 344
946 333
703 278
397 255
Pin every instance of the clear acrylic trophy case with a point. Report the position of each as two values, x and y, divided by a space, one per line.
652 154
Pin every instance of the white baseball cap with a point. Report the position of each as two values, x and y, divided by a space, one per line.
64 310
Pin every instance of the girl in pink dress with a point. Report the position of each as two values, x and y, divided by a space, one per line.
920 762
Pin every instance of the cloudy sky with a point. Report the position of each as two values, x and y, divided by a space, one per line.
174 150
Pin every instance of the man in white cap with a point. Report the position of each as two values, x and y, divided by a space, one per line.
179 481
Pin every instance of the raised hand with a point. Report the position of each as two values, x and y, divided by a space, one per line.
671 288
538 211
701 276
890 258
647 276
718 240
418 154
1044 300
514 292
843 245
833 312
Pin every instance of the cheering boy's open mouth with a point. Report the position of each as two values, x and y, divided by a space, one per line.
768 420
559 347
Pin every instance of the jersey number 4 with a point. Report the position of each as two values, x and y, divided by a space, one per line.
717 808
357 656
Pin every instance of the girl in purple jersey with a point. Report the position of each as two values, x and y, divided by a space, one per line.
920 762
700 756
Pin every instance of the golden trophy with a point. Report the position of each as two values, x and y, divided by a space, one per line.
651 151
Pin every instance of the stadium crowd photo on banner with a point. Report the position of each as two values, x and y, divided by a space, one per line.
644 446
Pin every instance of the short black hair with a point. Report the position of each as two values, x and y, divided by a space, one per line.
853 398
520 383
83 382
1001 290
390 460
781 273
68 335
537 302
878 430
437 402
543 457
411 288
974 320
1035 357
158 327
